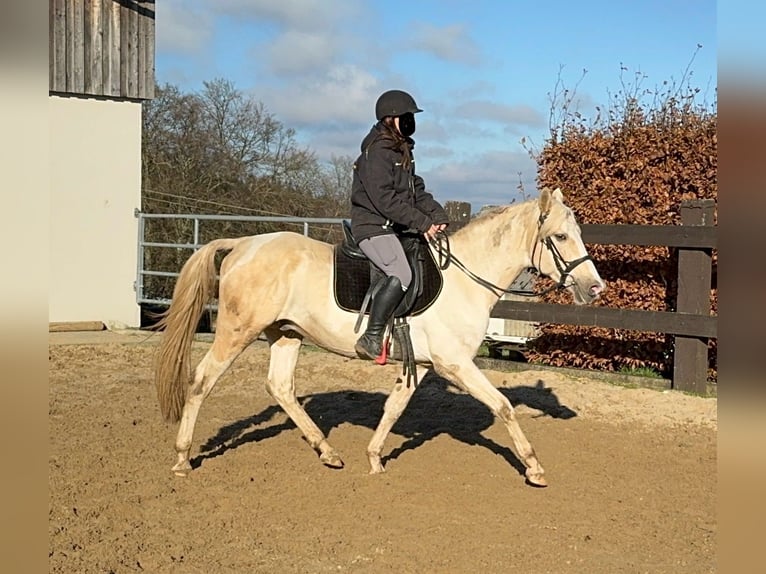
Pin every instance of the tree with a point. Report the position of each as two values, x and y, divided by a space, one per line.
220 151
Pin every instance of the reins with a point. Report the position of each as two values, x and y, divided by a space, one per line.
445 257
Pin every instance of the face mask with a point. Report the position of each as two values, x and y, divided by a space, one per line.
407 124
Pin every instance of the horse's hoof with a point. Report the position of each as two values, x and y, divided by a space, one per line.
536 479
182 469
331 459
376 466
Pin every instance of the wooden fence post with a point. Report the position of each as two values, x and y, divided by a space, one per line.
690 357
459 213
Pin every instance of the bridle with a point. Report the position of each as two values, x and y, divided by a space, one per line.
445 257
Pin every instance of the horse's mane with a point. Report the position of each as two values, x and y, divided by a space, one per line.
487 215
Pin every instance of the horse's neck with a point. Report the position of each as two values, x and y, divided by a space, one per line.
498 246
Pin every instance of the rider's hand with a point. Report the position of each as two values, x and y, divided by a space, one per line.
433 230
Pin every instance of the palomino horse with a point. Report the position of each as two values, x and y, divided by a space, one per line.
280 284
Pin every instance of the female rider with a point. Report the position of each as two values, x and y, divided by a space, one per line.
387 198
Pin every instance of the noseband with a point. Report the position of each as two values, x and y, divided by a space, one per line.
564 267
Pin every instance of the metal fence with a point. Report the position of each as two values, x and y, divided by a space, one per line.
197 221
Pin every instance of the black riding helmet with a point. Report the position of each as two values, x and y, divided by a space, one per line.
395 103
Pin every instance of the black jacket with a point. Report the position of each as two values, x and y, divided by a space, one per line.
385 196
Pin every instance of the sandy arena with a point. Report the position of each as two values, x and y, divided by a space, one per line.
632 473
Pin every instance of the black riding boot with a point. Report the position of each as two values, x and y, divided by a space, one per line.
370 344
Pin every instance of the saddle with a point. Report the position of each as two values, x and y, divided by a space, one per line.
355 276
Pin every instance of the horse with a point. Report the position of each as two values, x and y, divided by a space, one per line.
280 285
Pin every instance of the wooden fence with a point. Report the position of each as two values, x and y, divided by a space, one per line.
691 323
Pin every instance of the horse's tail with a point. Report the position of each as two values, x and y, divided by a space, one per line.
194 289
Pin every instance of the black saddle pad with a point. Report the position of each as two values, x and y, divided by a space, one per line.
352 277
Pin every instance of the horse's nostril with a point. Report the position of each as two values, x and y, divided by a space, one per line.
596 289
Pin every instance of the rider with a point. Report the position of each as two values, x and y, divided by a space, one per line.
387 198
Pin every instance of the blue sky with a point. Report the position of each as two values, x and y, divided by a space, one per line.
483 71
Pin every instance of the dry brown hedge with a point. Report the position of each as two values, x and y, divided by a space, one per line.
634 168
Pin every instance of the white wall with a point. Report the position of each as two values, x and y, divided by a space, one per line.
95 186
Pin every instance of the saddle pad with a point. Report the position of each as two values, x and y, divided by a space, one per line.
351 280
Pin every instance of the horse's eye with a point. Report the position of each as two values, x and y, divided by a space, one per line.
560 237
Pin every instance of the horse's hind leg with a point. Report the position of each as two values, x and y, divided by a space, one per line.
395 404
468 376
285 347
218 358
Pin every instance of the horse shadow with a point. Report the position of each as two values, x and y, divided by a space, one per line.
435 408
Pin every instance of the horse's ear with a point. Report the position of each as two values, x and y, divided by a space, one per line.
557 194
545 202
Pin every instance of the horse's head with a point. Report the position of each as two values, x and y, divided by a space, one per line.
559 252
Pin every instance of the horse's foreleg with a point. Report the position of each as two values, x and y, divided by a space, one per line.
206 375
468 376
281 386
395 404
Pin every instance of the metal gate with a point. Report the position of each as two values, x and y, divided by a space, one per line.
195 224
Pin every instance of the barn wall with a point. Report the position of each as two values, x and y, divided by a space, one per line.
102 47
95 170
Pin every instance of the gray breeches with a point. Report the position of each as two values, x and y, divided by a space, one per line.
387 253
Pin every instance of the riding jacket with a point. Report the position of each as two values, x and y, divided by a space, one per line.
386 197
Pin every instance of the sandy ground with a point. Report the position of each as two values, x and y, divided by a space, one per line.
632 473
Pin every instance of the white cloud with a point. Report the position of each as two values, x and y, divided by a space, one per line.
438 152
301 35
343 94
491 178
328 142
471 130
430 131
502 113
182 28
297 52
451 43
301 14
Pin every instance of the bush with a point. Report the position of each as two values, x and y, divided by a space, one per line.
633 164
